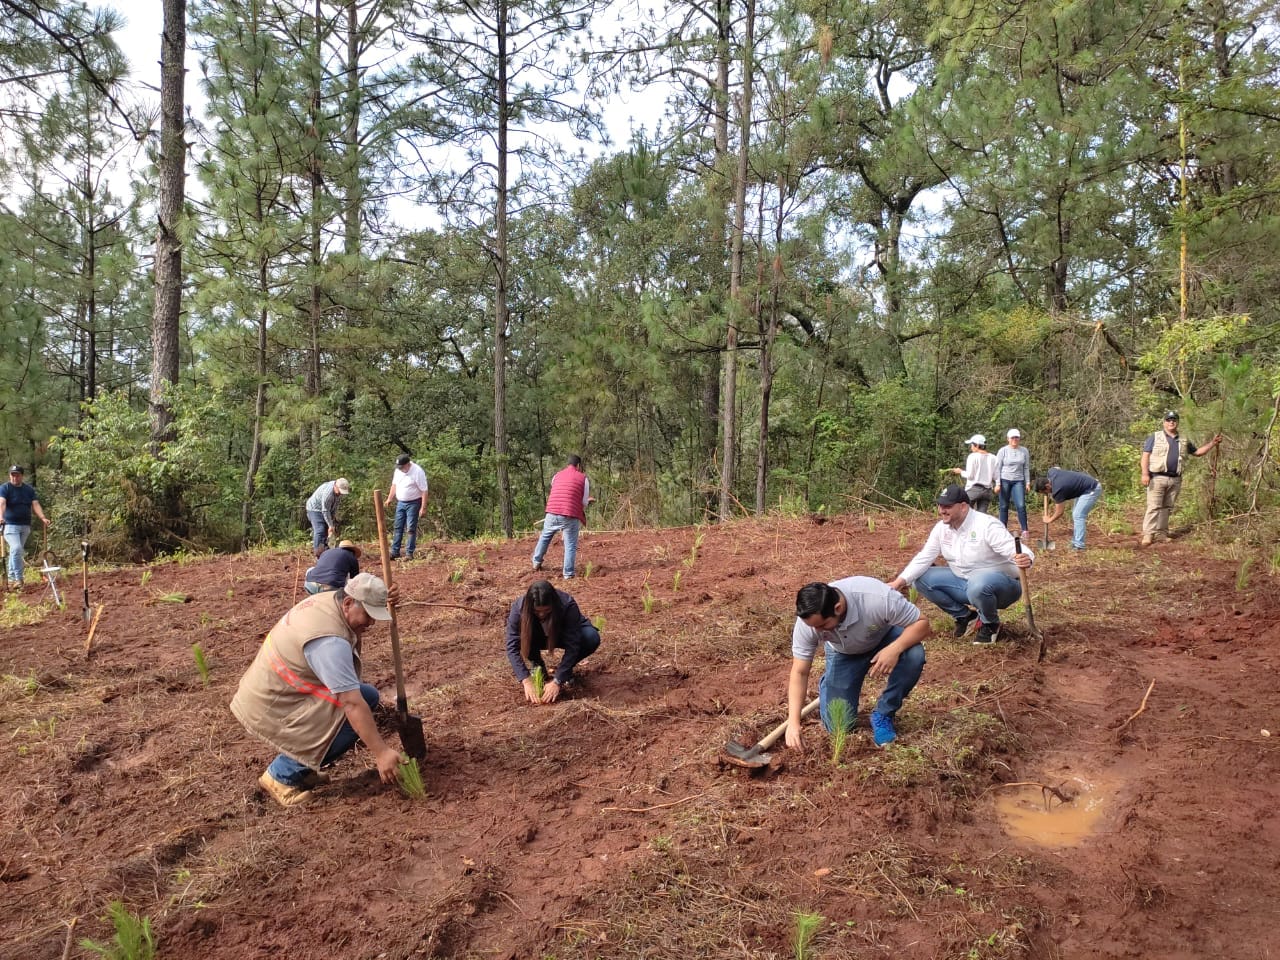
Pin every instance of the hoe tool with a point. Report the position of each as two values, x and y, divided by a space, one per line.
1046 543
4 557
755 757
1026 596
84 571
409 726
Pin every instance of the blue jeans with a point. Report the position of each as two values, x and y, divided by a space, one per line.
289 771
568 527
844 673
406 516
987 591
571 658
319 532
15 535
1084 504
1017 491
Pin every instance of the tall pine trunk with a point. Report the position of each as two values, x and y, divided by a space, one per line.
168 265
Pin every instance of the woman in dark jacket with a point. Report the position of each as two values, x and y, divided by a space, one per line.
541 621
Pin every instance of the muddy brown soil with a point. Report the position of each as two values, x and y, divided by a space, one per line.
604 825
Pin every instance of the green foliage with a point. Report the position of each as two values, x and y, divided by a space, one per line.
647 600
202 662
807 925
539 678
841 716
410 778
133 938
675 582
113 485
598 621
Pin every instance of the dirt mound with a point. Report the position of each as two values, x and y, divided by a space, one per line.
605 825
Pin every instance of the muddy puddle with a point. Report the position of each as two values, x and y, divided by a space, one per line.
1037 815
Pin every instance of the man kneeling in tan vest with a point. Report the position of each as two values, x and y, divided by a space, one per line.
302 693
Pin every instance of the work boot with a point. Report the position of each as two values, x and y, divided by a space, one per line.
314 778
282 793
964 622
882 730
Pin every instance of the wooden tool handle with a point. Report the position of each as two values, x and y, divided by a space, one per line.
402 703
774 735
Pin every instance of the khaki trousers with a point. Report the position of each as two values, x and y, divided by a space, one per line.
1162 497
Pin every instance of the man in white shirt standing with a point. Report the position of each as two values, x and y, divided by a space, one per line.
981 575
409 493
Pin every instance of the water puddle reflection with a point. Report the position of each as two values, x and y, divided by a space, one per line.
1032 813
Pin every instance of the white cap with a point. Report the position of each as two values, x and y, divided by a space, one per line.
342 485
977 438
1015 432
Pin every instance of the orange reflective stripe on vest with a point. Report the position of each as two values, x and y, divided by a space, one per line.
285 673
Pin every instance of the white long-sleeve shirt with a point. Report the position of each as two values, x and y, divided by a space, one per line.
981 542
980 468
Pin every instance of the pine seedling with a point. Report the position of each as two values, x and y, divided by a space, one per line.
539 678
646 599
202 662
675 582
841 719
146 577
902 540
410 778
174 597
133 938
807 925
1242 574
598 622
586 570
871 524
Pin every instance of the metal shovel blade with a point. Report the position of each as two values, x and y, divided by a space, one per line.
752 758
412 739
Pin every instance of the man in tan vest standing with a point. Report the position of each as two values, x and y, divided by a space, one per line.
1163 455
302 694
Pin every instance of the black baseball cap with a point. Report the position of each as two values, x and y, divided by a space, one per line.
16 468
952 494
402 459
1171 414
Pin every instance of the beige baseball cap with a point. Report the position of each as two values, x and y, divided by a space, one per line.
372 594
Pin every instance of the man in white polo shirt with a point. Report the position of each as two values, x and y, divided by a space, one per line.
981 575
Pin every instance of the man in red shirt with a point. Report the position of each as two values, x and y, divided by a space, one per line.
566 511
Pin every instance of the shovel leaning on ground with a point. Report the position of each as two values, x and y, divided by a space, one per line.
409 727
1046 543
755 757
1026 597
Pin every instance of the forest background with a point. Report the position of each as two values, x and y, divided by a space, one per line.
858 233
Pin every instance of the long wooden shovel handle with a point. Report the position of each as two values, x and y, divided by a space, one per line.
402 702
774 735
1045 512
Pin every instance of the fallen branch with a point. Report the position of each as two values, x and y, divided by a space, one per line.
658 806
71 931
1142 706
1045 790
432 603
93 627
